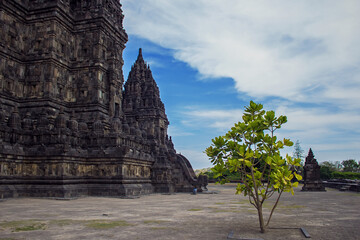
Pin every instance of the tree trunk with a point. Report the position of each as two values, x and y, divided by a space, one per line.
261 219
273 209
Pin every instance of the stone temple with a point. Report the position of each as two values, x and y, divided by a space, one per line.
69 126
312 180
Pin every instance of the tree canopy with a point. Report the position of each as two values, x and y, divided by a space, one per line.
252 149
350 165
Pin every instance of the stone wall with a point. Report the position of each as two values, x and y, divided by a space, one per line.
67 128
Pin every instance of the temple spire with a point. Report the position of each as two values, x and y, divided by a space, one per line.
310 157
311 154
140 57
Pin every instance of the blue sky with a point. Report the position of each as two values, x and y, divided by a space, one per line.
210 58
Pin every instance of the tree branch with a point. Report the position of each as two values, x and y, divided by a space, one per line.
272 210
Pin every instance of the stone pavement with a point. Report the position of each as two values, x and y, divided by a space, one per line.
324 215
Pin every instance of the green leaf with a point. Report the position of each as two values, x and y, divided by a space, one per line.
268 160
282 120
219 141
279 144
239 188
217 175
287 142
223 181
241 150
218 169
249 154
270 117
248 163
257 174
298 177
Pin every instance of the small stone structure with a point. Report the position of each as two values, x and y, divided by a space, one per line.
312 181
67 126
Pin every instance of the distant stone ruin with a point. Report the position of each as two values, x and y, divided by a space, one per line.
312 181
67 126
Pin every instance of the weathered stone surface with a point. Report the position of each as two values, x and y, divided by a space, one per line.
67 128
312 180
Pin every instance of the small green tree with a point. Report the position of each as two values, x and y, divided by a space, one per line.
332 166
350 165
326 172
252 149
298 151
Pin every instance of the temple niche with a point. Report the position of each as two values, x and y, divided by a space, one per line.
312 181
67 127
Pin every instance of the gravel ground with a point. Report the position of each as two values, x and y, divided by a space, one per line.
324 215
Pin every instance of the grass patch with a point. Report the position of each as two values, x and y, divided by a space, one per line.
195 209
106 224
97 223
23 225
64 222
33 227
155 221
220 203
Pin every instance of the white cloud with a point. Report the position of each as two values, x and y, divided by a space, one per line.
221 120
174 131
269 48
312 119
314 127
